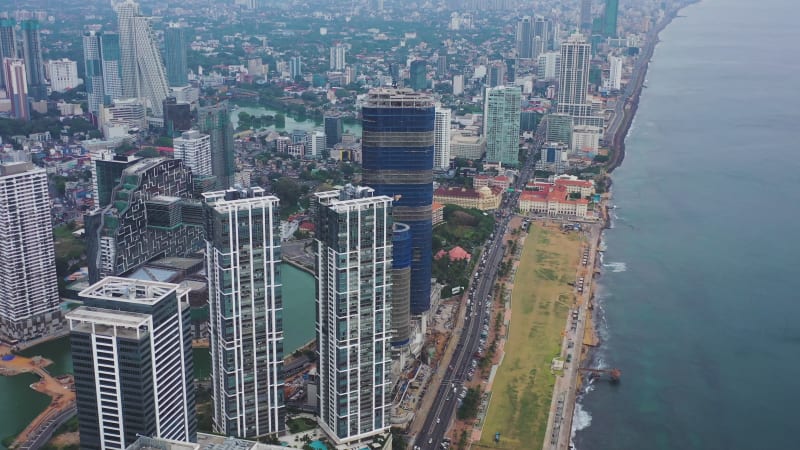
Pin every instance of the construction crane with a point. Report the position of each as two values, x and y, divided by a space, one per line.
614 374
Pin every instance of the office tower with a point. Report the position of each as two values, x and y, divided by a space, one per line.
63 74
559 128
574 77
548 66
175 45
194 148
441 142
8 44
497 74
334 129
529 120
243 263
132 355
338 56
401 284
501 124
511 70
397 159
458 84
441 66
93 69
177 116
586 16
110 57
610 18
419 73
28 285
215 121
318 143
353 271
296 66
525 38
144 210
614 80
543 36
143 74
32 55
17 88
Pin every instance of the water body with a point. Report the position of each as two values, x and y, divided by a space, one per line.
703 321
291 124
20 404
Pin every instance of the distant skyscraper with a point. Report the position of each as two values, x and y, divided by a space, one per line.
152 215
194 148
334 129
110 58
397 156
243 266
338 57
525 38
501 124
441 66
93 69
419 73
511 70
353 268
216 122
548 66
543 36
17 88
133 364
177 116
32 55
441 150
497 74
143 74
610 18
175 45
614 80
574 77
63 74
586 16
296 66
458 84
8 44
28 285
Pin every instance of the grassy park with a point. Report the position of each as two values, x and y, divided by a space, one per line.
541 298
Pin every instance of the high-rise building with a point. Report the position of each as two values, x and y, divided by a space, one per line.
28 284
559 128
194 148
63 74
610 18
144 210
543 35
586 16
338 56
525 38
17 88
110 58
441 66
93 69
353 249
401 285
334 129
548 66
8 44
501 124
497 74
511 70
574 77
458 84
177 116
175 45
132 356
215 121
32 55
143 74
243 266
419 75
296 66
318 143
122 117
441 143
614 80
397 157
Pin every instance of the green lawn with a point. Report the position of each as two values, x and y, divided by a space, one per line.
541 299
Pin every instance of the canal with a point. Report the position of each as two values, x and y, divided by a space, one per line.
20 404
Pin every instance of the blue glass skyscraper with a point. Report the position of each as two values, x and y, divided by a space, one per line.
397 158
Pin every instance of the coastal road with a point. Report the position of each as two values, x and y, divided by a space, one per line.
446 399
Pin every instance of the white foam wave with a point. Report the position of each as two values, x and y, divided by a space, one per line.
581 419
616 266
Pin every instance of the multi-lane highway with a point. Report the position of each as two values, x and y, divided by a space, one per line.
478 313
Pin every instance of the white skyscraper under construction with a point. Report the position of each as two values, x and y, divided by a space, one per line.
441 142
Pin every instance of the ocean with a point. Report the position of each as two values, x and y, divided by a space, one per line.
698 296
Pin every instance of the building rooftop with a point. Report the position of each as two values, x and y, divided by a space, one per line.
129 290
